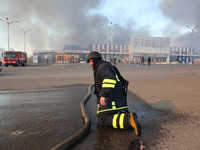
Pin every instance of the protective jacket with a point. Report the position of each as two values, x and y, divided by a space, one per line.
108 85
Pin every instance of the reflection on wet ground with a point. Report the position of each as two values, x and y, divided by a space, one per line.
41 119
151 118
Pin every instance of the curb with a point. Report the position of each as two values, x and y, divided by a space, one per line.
78 136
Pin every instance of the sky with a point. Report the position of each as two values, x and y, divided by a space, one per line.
51 24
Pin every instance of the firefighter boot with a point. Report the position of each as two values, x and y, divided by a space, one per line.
135 124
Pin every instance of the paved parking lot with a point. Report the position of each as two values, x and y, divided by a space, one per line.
40 119
171 89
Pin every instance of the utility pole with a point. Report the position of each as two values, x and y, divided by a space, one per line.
109 27
23 30
192 40
8 23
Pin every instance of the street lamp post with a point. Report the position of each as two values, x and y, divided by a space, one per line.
192 40
8 23
109 27
23 30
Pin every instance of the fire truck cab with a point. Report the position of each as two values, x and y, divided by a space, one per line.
15 58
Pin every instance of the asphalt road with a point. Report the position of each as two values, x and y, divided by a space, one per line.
39 119
151 120
36 107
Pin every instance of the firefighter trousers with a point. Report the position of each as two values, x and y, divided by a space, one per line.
119 120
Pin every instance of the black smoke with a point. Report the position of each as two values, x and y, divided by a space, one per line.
182 13
55 23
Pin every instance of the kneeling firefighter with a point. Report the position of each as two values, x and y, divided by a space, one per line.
111 92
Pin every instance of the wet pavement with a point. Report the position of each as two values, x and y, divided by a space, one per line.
39 119
150 118
43 117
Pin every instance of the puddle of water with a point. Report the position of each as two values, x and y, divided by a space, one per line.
4 99
150 116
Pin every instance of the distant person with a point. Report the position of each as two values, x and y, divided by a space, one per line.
119 61
111 93
115 61
142 61
149 61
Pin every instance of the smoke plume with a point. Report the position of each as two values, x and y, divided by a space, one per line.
184 13
55 23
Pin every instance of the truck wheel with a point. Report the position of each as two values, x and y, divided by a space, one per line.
17 63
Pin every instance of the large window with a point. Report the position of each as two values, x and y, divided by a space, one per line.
67 58
10 55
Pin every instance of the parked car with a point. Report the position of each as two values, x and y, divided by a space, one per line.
0 66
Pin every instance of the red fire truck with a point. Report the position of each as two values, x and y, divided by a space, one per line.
15 58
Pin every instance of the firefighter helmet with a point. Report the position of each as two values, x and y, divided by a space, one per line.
93 55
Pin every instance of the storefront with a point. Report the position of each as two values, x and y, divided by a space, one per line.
67 58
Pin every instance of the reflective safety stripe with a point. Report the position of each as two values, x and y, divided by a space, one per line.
111 109
113 105
113 102
121 121
98 108
117 78
108 86
115 121
109 81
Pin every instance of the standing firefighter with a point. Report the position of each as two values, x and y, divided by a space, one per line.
142 61
110 89
149 61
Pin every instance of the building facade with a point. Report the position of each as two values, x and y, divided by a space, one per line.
158 48
109 52
182 54
67 58
43 56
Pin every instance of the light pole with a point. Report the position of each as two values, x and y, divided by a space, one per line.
25 38
192 40
8 23
109 27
